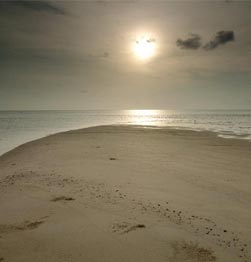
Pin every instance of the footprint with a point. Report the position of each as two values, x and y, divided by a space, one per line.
62 198
27 225
126 227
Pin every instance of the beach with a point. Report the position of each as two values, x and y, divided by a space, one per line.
126 193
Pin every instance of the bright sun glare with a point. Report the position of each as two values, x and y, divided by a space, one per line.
144 47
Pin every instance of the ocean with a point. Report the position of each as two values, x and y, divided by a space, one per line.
18 127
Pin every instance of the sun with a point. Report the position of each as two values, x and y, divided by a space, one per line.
144 47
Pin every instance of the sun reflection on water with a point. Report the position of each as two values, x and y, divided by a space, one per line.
145 117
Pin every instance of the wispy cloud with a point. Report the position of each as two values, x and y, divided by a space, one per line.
39 6
193 42
221 38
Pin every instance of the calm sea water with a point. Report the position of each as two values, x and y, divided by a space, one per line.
17 127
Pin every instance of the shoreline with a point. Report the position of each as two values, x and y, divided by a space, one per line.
126 193
246 137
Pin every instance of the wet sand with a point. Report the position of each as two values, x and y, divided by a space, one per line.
126 193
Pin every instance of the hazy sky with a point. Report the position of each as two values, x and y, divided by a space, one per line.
79 55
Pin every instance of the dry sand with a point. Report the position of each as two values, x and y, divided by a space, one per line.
126 193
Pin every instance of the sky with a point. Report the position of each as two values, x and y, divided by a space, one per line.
73 55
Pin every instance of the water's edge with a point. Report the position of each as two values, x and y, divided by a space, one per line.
136 126
19 127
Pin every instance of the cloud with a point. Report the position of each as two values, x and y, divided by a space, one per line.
99 55
105 54
193 42
221 38
39 6
145 39
150 40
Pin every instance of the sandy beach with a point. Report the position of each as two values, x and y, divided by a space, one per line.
126 193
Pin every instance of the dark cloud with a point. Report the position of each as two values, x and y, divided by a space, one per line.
39 6
148 40
221 38
193 42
